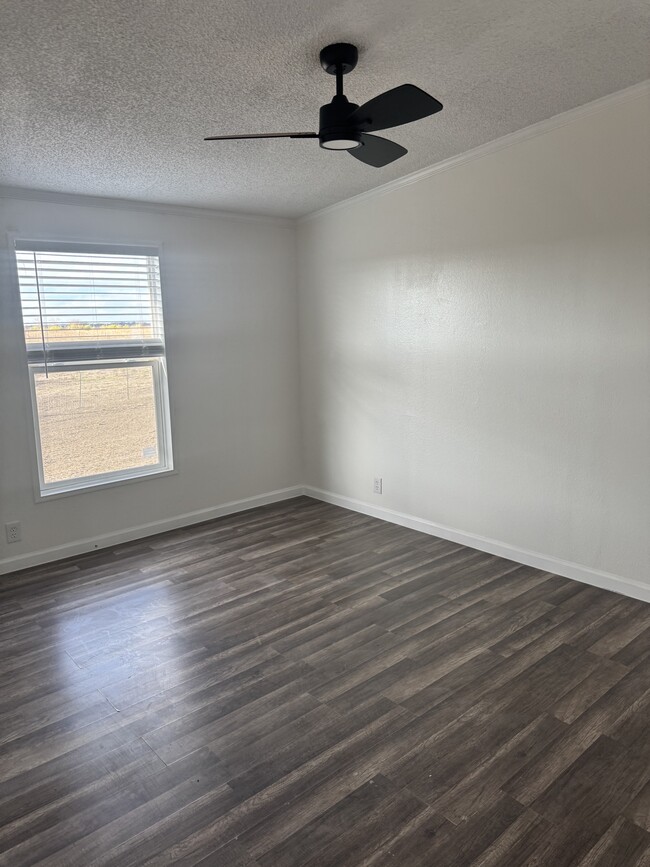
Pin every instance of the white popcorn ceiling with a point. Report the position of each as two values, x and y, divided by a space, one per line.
113 98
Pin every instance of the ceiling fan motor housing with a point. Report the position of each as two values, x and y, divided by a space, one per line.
334 125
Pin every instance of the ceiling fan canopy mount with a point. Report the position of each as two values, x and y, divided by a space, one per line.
340 57
343 125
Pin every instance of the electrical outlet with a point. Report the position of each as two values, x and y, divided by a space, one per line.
12 532
378 485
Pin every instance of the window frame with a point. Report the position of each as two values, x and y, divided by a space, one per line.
166 465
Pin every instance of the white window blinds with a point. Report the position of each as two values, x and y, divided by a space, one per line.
85 302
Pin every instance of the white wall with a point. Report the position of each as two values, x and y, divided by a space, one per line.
480 338
231 325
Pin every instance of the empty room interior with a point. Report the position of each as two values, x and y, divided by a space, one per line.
325 433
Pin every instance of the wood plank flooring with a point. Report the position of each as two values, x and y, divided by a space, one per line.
303 685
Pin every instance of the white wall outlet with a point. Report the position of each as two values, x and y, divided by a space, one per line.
12 531
378 485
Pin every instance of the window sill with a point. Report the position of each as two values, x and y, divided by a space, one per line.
46 496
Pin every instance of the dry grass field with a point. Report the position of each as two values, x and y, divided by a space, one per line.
95 421
76 332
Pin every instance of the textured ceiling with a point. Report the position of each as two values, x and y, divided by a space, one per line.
113 97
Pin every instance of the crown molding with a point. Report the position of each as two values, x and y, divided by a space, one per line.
26 194
541 128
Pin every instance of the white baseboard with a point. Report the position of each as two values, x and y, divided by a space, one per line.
585 574
83 546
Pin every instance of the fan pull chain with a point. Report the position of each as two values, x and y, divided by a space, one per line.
40 315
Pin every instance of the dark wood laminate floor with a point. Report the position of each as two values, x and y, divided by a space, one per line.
302 685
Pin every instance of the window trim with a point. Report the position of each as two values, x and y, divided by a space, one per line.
164 411
99 486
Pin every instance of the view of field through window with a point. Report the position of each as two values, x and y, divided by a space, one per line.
96 421
78 332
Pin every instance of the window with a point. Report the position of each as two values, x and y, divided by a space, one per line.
95 341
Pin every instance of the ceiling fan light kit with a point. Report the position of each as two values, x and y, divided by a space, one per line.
345 126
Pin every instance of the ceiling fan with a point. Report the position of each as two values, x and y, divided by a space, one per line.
346 126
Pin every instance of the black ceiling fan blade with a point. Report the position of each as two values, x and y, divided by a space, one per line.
402 104
377 152
262 135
